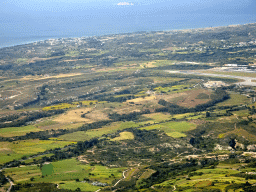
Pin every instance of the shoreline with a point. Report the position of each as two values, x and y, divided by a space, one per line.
26 42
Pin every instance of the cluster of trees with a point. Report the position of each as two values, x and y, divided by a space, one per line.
3 179
246 187
252 110
128 117
45 135
117 99
151 145
59 153
167 170
18 120
184 67
73 151
205 143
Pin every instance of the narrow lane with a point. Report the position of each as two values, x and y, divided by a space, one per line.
11 184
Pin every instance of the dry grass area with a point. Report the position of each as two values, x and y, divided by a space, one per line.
169 48
4 187
170 97
61 125
22 61
185 99
74 116
71 60
228 118
166 80
129 174
124 136
97 115
147 174
40 77
243 133
176 134
142 100
189 99
157 117
126 109
148 65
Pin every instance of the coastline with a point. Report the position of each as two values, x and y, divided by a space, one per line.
35 39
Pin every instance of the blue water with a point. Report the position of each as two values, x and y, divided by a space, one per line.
28 21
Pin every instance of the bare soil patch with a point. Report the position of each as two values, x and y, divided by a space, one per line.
97 116
191 98
74 116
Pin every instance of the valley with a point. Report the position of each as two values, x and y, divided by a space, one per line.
146 111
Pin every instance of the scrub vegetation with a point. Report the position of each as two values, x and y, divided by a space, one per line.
146 111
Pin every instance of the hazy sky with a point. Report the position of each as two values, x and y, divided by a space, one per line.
67 5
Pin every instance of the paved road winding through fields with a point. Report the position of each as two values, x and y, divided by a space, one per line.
247 80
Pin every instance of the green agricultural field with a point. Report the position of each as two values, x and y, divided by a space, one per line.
241 113
217 178
235 99
174 129
46 123
176 134
37 158
72 54
17 131
59 106
173 89
112 128
128 63
147 174
23 173
196 116
73 185
15 150
166 79
76 136
182 116
99 53
69 174
22 60
130 173
124 136
68 105
240 132
189 116
157 117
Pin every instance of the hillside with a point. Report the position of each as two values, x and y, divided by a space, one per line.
146 111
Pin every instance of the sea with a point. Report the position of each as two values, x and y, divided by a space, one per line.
27 22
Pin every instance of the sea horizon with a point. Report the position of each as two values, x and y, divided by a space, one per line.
26 24
34 39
